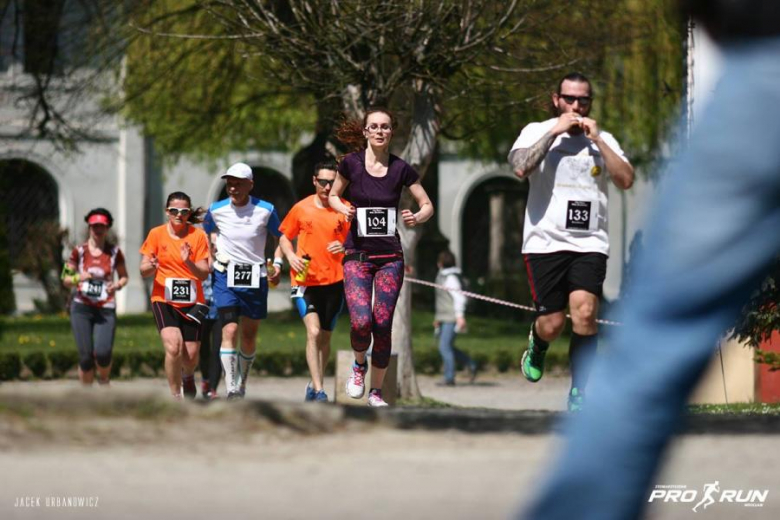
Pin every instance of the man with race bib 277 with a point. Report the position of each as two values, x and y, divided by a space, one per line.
568 161
242 223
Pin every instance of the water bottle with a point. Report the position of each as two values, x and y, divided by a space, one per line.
269 265
300 276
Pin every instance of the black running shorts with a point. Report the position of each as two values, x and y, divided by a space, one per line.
326 300
553 276
166 315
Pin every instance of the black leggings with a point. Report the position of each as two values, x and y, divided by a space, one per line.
210 343
93 329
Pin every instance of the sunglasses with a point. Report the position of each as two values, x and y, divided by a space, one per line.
324 182
179 211
584 100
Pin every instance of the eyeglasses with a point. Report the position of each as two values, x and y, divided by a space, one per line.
372 129
179 211
584 100
324 182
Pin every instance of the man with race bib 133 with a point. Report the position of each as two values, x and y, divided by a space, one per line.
242 224
568 161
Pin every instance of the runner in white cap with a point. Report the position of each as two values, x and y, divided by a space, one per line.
242 224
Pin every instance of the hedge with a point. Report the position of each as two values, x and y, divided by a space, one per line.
284 363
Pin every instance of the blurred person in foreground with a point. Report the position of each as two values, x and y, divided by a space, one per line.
711 238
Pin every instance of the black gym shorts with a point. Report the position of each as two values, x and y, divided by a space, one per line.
166 315
553 276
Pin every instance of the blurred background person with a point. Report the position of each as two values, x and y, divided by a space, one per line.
450 318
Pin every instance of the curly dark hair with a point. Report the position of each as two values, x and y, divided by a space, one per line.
198 214
100 211
350 131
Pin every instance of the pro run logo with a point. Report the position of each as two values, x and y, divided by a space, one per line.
711 493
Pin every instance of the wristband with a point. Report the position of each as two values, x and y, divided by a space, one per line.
278 262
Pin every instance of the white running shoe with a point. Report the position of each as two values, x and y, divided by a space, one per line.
356 383
375 399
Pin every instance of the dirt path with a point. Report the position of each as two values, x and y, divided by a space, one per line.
146 458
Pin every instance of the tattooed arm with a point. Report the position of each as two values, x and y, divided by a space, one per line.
525 160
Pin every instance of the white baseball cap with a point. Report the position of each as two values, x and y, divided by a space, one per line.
239 171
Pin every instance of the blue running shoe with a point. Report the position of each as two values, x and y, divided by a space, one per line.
321 397
311 394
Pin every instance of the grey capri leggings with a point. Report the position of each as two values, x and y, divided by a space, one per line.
93 330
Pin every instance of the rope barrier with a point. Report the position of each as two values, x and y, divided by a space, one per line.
491 300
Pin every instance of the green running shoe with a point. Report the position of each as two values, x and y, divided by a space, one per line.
576 400
532 363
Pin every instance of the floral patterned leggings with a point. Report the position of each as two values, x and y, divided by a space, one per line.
359 280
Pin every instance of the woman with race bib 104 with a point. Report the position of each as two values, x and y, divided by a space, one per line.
177 255
374 260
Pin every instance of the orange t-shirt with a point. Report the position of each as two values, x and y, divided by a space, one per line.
315 228
167 249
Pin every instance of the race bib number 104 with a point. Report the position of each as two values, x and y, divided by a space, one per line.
376 222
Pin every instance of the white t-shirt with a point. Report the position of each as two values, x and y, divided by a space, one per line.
242 230
567 202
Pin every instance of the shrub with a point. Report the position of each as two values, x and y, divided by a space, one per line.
273 363
155 360
503 359
62 361
135 360
37 363
298 364
10 366
117 362
427 361
481 359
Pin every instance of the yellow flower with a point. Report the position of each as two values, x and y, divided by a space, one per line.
52 343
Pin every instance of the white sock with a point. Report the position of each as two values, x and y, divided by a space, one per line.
244 364
230 365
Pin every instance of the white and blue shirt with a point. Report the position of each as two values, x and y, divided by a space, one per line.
242 230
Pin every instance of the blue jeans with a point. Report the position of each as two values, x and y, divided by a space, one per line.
711 238
450 354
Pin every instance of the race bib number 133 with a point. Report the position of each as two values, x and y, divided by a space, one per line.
581 215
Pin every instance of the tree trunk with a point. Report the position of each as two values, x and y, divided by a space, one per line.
418 153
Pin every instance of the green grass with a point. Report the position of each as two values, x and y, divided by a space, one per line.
281 331
736 408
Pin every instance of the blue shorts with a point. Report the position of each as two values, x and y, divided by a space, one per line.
252 303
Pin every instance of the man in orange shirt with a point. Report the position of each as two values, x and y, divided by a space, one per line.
318 287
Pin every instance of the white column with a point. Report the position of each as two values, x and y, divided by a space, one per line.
130 216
